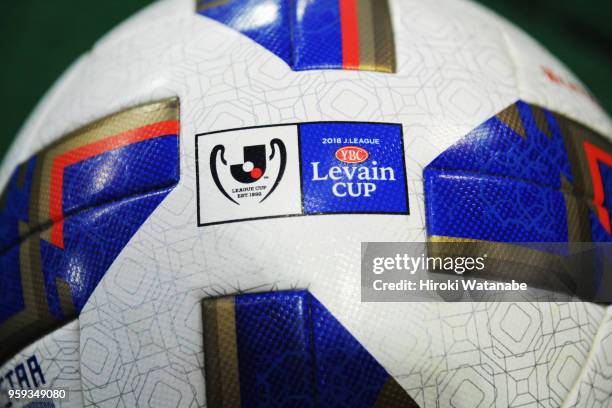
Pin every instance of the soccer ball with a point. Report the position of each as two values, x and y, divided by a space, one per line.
181 218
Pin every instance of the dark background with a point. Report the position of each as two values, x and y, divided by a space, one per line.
40 38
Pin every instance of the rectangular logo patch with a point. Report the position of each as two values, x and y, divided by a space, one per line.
300 169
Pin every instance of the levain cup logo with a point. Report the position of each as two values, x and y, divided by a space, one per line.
352 180
300 169
251 170
353 167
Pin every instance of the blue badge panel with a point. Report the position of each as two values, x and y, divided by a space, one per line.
353 168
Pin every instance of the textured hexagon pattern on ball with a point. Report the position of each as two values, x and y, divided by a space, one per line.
140 334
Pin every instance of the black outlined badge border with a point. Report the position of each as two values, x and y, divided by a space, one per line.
299 147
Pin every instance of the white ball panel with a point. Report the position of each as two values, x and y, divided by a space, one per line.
595 382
